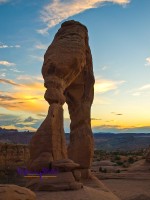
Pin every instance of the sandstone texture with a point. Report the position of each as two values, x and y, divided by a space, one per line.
140 197
68 75
14 192
65 165
93 189
48 144
62 181
13 156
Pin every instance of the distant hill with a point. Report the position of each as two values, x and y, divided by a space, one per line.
122 141
14 136
104 141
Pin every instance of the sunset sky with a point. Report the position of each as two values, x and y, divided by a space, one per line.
119 37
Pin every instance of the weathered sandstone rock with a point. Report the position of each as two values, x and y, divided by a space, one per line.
68 74
62 181
77 175
15 192
48 143
13 155
65 165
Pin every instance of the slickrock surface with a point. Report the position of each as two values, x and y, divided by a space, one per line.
129 189
68 74
86 193
93 190
14 192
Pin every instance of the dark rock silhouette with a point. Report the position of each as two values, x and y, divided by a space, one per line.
148 156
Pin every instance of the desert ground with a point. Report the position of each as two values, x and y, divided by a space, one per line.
131 184
129 189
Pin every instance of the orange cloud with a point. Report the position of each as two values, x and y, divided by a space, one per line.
28 97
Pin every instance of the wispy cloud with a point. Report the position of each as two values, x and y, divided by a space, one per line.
19 122
3 74
7 119
95 119
4 46
102 85
145 89
119 114
41 46
59 10
4 1
6 63
147 61
6 81
6 98
105 68
38 58
26 96
15 70
30 78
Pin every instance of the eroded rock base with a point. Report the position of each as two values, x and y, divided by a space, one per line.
63 181
15 192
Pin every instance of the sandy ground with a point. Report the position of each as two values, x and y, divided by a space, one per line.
87 193
132 183
93 190
125 189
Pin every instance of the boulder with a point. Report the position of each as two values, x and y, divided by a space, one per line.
15 192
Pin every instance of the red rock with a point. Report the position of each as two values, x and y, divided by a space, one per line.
65 165
15 192
62 181
68 74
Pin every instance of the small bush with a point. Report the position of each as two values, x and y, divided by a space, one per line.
118 171
131 160
102 170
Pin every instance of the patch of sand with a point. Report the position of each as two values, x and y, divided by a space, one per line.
93 190
126 189
87 193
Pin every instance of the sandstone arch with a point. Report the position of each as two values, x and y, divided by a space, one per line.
68 74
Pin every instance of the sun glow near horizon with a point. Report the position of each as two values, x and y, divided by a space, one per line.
120 46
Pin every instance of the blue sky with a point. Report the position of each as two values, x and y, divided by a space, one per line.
119 39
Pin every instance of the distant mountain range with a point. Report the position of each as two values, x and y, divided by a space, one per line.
103 141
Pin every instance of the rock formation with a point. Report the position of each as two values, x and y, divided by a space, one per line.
63 181
15 192
13 155
148 156
68 74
